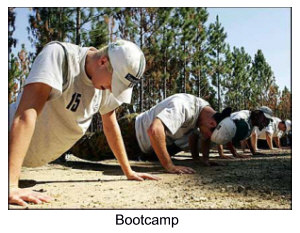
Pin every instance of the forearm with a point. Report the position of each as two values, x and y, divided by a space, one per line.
157 138
232 149
249 143
269 141
114 138
193 143
19 139
277 141
205 147
220 150
254 141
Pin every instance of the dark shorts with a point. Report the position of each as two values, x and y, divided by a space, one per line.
96 148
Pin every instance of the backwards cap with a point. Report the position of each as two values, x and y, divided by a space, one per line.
128 64
267 112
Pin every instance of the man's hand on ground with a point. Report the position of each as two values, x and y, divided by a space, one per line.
259 154
141 176
205 162
180 169
22 196
226 157
241 156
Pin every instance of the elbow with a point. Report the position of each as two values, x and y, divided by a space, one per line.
153 130
27 117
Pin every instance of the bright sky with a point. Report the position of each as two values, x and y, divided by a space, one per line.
268 29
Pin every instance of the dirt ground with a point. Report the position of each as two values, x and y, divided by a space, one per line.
263 182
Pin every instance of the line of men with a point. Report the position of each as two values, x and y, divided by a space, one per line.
183 122
68 84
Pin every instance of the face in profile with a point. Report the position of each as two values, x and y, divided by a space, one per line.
207 127
262 121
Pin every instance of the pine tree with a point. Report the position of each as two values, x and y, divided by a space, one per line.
200 54
49 24
216 39
237 78
12 42
285 105
262 78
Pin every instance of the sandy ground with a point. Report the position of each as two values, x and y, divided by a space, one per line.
263 182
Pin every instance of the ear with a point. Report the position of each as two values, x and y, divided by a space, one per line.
213 123
102 60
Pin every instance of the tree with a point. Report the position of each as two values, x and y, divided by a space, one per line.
262 78
237 78
285 105
200 54
18 70
12 42
216 39
49 24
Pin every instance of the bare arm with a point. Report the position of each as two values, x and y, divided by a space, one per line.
254 141
114 138
156 133
221 153
31 104
234 152
277 141
193 143
205 147
269 140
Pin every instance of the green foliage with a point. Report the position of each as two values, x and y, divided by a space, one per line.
237 78
217 64
18 70
183 54
11 28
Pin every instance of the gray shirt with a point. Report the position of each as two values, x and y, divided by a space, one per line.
68 112
179 113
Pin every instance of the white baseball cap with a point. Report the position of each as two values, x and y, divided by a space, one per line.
288 125
128 63
267 112
224 132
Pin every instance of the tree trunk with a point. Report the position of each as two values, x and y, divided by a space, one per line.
78 19
184 70
142 81
199 79
165 69
218 82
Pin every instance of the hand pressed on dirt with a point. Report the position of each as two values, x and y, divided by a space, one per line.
141 176
226 157
22 196
180 169
242 156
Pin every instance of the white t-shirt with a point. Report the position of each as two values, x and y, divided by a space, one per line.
68 112
272 129
241 115
179 113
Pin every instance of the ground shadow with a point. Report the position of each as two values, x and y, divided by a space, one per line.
32 183
111 169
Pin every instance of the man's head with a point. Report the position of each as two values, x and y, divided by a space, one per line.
261 117
209 119
119 66
285 126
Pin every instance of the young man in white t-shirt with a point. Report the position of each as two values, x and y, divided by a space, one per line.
66 86
274 130
179 122
238 127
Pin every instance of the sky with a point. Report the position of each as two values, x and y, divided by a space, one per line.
268 29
